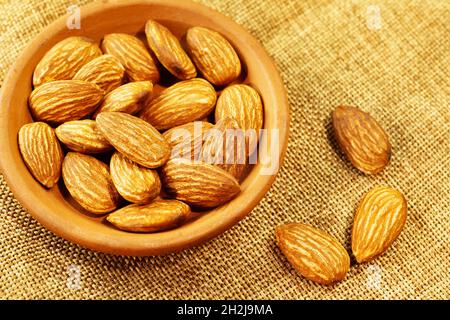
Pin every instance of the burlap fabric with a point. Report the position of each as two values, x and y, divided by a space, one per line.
392 60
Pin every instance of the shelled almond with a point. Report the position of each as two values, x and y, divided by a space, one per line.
65 59
186 141
213 55
199 184
157 216
105 71
184 102
41 152
168 50
133 137
89 182
314 253
133 55
130 98
243 103
224 145
135 183
82 136
362 139
64 100
379 220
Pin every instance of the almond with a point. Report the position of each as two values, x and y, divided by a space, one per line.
168 50
65 59
186 140
198 184
213 55
134 182
129 98
89 182
133 55
41 152
314 253
184 102
242 103
156 216
379 220
64 100
105 71
362 139
134 138
224 145
82 136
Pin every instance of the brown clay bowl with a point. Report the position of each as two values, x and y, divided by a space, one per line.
54 209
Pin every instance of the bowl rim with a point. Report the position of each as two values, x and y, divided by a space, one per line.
82 237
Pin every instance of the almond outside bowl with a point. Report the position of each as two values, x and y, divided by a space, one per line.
55 209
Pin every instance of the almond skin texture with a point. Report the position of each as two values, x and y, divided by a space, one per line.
169 52
41 152
129 98
133 55
361 139
89 182
184 102
224 146
65 100
156 216
186 140
198 184
244 104
379 220
82 136
213 55
134 138
134 182
105 71
65 59
314 253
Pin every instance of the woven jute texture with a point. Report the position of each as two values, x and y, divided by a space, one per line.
391 59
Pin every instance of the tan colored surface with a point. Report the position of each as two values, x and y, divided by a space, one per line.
327 56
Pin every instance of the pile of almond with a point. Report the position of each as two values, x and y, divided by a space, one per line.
379 218
101 126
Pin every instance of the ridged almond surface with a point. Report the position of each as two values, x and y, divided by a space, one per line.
64 60
156 216
82 136
105 71
244 104
41 152
198 184
134 182
134 138
184 102
129 98
362 139
213 55
314 253
224 146
89 182
65 100
168 50
186 140
133 55
379 220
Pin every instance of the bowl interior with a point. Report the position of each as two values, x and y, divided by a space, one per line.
54 208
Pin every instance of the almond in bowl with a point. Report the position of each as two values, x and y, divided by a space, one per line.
133 107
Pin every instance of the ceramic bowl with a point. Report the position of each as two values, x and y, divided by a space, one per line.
55 210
